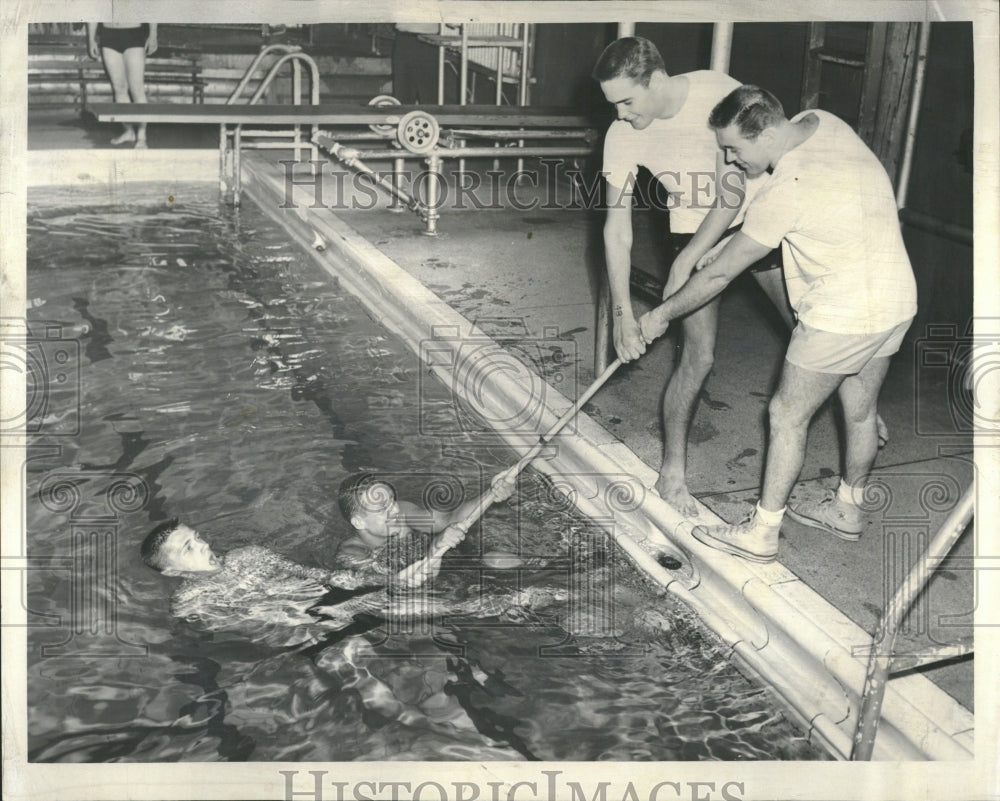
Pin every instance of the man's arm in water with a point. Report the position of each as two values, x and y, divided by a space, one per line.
280 566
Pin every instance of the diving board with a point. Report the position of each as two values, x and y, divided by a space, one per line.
337 114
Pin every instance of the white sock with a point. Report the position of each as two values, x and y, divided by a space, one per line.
848 494
770 518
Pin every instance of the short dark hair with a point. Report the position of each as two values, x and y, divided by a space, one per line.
750 108
629 57
153 544
362 492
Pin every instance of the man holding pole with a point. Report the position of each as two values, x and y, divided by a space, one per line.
662 126
830 204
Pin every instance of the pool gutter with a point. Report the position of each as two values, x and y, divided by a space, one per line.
806 651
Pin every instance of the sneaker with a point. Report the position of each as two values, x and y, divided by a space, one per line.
831 515
750 539
883 431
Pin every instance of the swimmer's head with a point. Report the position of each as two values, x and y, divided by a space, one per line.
173 549
369 505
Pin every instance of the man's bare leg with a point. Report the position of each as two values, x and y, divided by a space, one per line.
841 513
773 283
800 394
679 402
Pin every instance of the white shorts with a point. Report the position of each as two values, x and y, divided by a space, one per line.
844 354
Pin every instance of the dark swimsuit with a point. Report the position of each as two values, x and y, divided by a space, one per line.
122 39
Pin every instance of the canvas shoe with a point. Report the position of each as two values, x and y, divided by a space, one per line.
832 515
751 539
883 431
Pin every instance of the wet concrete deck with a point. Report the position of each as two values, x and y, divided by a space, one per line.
538 270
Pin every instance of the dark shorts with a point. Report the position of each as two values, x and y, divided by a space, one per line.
122 39
771 261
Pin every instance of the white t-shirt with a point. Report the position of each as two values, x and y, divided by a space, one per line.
831 205
682 154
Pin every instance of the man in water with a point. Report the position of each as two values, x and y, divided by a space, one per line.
830 204
389 534
272 599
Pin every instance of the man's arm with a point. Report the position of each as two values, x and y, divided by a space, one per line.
715 224
738 254
618 257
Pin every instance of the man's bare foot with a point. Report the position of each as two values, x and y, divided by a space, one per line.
677 495
125 138
140 144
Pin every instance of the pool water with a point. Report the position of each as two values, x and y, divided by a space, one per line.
216 374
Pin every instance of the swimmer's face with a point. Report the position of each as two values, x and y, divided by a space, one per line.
378 514
184 551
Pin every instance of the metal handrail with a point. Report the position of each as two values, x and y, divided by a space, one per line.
296 56
252 69
880 658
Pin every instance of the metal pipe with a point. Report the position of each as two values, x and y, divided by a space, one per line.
295 56
722 46
522 89
507 133
626 29
432 215
397 185
483 152
911 126
223 158
933 225
880 658
237 166
234 96
525 61
441 30
463 73
350 157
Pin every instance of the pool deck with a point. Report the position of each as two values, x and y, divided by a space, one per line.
539 268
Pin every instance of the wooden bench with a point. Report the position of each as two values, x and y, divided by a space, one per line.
73 75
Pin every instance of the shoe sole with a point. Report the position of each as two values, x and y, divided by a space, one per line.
701 534
822 525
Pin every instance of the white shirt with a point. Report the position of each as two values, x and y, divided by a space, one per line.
830 203
681 152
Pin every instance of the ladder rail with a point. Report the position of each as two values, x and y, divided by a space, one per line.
880 657
287 53
252 69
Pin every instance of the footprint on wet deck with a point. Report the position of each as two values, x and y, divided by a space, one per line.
737 461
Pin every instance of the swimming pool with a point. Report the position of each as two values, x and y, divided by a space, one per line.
235 385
